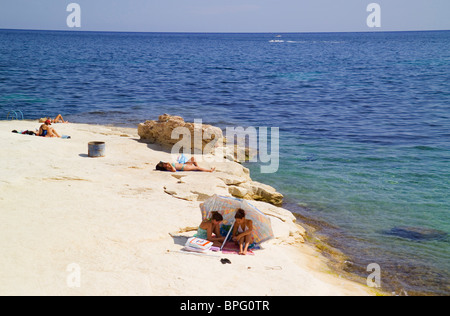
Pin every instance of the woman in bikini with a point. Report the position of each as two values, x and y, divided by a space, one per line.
191 165
242 232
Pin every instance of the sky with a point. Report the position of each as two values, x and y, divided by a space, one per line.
226 15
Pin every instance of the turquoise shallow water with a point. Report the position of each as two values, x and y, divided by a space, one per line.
362 192
364 121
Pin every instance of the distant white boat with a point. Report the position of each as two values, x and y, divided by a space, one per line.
277 40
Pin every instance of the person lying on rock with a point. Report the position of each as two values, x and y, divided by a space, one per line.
190 165
58 119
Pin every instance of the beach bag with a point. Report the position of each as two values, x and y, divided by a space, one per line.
200 244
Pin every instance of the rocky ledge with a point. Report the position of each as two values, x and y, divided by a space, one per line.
230 178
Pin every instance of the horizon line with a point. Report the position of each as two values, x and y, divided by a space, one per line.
210 32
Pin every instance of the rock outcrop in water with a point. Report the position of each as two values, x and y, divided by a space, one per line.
211 138
160 132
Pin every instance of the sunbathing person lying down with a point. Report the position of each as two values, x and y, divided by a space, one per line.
58 119
190 165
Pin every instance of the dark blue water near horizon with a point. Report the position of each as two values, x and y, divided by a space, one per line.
364 121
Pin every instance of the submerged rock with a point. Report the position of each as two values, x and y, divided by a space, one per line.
417 233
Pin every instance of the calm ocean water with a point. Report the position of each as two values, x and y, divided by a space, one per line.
364 118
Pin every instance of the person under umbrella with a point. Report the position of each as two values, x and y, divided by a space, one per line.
254 224
242 232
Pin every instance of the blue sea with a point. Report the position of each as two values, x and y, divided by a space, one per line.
364 121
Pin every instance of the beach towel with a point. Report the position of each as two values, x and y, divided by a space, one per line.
24 132
232 248
35 134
